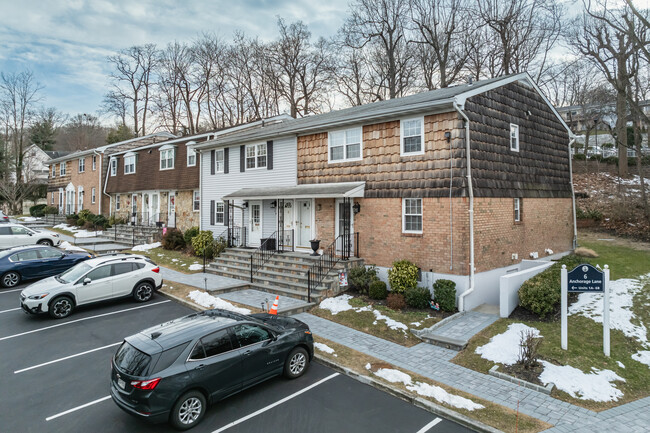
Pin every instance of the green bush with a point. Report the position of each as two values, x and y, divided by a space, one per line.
173 240
402 276
377 290
541 294
37 210
444 292
360 277
113 220
100 221
50 210
395 301
219 246
190 233
579 157
418 297
202 243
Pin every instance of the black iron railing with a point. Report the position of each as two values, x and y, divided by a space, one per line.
278 242
146 219
338 250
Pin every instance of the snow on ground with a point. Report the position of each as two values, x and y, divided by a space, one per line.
28 219
504 348
416 324
78 233
643 357
620 364
146 247
392 324
341 303
595 386
209 301
324 348
195 267
69 247
427 390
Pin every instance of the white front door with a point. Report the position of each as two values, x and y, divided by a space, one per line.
255 222
155 208
146 211
288 223
80 198
303 223
134 209
171 210
340 224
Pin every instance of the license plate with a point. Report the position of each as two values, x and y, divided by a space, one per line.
120 383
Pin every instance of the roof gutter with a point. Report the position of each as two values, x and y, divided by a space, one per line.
470 188
573 194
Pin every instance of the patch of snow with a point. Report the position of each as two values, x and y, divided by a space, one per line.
87 234
643 357
595 386
392 324
174 260
337 304
416 324
147 247
195 267
65 227
504 348
209 301
29 219
325 348
69 247
368 366
427 390
620 364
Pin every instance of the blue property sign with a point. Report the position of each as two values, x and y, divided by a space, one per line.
586 278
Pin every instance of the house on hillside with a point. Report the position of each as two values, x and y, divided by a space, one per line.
75 179
464 182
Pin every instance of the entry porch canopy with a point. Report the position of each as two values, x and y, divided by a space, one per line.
319 190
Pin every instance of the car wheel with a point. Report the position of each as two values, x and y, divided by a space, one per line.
143 292
10 279
61 307
47 242
296 363
188 410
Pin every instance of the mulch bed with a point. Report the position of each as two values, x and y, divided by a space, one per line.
529 375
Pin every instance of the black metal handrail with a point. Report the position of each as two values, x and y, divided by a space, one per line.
338 250
274 244
147 219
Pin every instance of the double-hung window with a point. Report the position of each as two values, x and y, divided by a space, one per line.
82 165
117 202
92 195
196 202
191 157
517 209
129 163
94 162
166 158
514 137
62 168
218 212
412 136
219 161
345 145
256 155
113 167
412 215
53 170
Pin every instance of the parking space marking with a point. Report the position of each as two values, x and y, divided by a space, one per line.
83 319
427 427
277 403
67 357
74 409
12 309
9 291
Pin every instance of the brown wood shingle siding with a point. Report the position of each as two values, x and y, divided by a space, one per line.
540 168
148 175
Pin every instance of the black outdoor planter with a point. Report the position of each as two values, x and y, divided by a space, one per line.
315 244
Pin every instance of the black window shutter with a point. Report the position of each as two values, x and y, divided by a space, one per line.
212 152
226 213
269 155
242 158
212 209
226 161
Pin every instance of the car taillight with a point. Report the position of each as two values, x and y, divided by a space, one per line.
156 269
145 384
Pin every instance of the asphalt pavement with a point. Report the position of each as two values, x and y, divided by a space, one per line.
54 377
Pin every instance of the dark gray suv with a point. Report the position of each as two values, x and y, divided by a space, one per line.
173 370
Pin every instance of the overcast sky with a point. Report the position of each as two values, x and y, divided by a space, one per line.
65 42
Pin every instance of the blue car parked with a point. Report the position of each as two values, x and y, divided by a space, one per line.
36 261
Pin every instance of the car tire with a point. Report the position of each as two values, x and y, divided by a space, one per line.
188 410
143 291
61 307
47 242
10 279
297 363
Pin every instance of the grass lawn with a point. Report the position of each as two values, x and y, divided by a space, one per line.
176 260
366 321
63 232
492 414
585 337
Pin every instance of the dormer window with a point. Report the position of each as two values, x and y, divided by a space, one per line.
113 167
167 154
412 136
129 163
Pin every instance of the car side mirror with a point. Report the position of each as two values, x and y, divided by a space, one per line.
87 281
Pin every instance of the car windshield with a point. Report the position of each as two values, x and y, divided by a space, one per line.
74 273
131 361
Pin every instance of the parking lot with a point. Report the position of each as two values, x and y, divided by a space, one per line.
55 377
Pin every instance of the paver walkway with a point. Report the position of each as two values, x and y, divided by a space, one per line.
201 280
255 298
460 327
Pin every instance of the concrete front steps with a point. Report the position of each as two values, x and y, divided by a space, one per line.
133 235
283 273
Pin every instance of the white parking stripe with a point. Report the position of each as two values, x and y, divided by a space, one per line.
74 409
67 357
428 426
277 403
6 311
9 291
81 320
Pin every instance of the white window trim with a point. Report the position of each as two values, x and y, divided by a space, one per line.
401 137
404 215
517 209
191 152
128 156
516 148
82 165
223 161
194 200
52 197
53 170
117 202
93 195
163 151
256 156
222 213
345 147
62 169
94 160
113 167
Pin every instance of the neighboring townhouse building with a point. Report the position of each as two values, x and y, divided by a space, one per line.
465 182
36 169
75 179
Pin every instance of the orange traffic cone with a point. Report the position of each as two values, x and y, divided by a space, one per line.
274 308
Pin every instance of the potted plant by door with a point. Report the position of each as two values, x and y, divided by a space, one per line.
315 245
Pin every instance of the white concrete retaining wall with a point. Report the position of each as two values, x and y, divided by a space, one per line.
509 284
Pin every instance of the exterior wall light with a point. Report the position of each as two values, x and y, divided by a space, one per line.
356 208
274 204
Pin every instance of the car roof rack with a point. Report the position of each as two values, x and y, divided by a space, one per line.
113 254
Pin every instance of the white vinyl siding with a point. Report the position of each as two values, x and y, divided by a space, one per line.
412 215
412 136
514 137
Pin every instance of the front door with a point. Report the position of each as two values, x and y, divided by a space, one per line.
344 217
146 208
288 223
171 210
134 209
155 208
303 223
255 222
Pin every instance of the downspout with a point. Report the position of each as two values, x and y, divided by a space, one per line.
573 194
470 188
108 170
99 178
199 161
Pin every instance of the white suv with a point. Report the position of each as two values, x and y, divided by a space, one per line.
105 277
15 235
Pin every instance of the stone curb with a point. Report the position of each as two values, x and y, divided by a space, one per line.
416 401
419 332
545 389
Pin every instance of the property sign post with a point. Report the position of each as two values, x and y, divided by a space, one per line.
586 278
